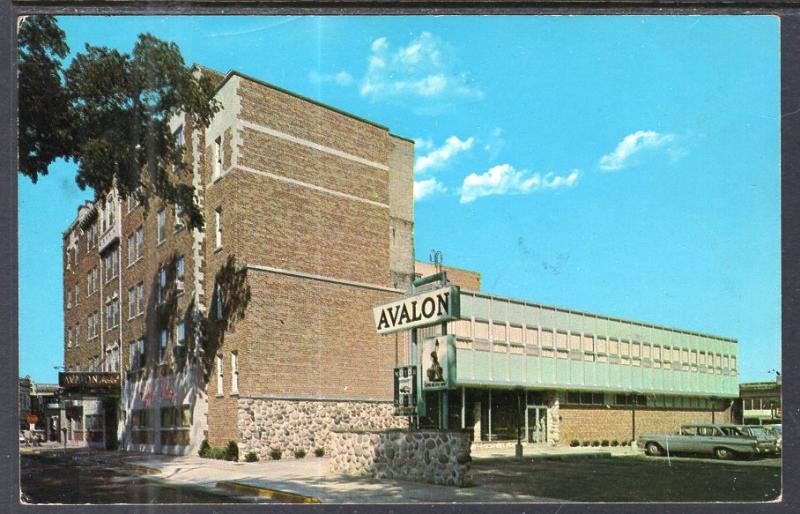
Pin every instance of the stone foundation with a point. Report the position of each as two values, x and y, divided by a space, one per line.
264 424
434 456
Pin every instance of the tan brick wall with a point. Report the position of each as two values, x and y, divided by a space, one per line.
470 280
590 424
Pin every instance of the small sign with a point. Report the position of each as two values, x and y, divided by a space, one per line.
405 391
31 419
89 382
421 310
438 363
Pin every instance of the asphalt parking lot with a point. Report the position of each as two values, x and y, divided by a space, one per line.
633 478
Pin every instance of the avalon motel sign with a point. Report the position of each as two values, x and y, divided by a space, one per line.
421 310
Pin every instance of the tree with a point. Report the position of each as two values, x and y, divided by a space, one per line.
112 114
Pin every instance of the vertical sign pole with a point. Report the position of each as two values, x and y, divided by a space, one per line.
443 396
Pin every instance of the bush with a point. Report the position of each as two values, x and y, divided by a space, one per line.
595 443
204 447
251 457
585 443
232 451
574 443
319 452
275 453
604 442
299 453
614 443
215 453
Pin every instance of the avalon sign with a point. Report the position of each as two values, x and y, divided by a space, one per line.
88 382
421 310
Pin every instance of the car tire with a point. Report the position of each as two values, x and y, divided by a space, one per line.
652 449
722 453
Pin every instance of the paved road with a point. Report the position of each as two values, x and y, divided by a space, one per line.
56 477
633 478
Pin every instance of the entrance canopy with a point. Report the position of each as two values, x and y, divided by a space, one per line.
97 383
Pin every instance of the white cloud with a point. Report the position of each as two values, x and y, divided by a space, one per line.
439 156
427 187
416 70
504 179
341 79
631 145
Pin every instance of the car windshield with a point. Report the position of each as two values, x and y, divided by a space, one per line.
758 431
776 428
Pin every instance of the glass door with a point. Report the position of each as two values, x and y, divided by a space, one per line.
536 424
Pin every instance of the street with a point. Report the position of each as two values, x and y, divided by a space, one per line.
633 478
70 477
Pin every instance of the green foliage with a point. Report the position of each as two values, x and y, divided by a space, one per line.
232 451
216 453
604 442
275 453
299 453
251 457
319 452
614 443
585 443
110 112
574 443
204 447
595 443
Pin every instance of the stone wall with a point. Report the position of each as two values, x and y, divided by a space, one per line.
264 424
434 456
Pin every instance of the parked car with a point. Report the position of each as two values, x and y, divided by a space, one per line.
702 438
767 442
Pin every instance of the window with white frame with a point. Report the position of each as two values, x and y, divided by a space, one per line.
218 225
69 337
139 242
140 298
234 372
220 364
162 284
90 326
178 216
217 158
179 273
178 135
162 221
131 250
77 334
133 361
180 333
162 346
131 302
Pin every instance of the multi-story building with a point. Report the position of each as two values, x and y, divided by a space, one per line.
562 376
267 309
760 402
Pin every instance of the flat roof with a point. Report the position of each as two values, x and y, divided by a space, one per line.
601 316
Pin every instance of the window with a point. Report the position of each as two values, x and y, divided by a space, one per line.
162 284
131 250
131 302
110 264
134 359
217 158
636 353
218 221
575 342
656 356
613 347
218 310
69 299
162 348
220 364
179 272
77 334
89 282
498 331
733 363
180 334
178 135
178 216
90 326
624 350
139 242
234 373
112 314
77 294
647 353
140 298
69 338
693 360
481 330
685 360
162 219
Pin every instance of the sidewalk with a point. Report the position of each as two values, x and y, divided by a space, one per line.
553 452
310 478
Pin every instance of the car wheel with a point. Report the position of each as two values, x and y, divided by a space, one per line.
722 453
652 449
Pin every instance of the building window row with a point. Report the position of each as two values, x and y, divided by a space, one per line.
598 399
112 314
565 345
136 300
92 279
111 264
93 325
135 246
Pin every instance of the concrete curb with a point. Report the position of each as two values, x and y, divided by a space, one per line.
266 492
140 468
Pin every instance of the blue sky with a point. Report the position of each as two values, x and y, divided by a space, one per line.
627 166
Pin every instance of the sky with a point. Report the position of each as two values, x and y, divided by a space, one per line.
626 166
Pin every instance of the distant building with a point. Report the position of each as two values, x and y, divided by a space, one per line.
24 402
760 402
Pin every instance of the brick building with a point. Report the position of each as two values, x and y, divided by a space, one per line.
258 327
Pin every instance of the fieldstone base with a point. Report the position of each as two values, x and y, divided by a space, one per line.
289 425
434 456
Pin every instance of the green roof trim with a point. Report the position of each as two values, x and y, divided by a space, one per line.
231 73
610 318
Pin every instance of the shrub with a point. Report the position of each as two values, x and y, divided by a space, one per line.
232 451
319 452
574 443
251 457
604 442
585 443
299 453
275 453
215 453
614 443
204 447
595 443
